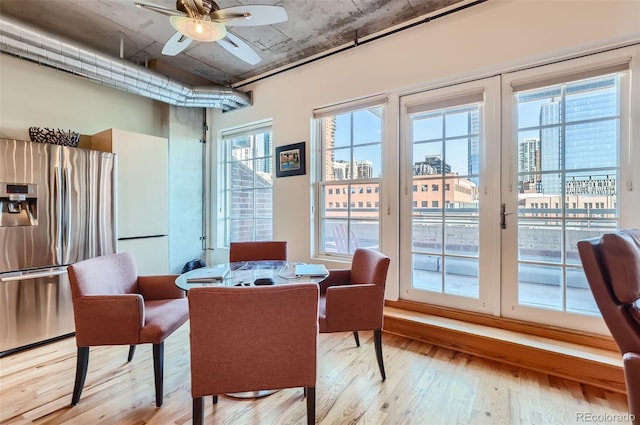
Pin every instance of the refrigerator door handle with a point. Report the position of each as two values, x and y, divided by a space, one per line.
66 177
57 219
33 275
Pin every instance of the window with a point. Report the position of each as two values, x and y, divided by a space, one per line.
248 184
351 158
330 191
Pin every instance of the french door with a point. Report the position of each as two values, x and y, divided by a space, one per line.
502 176
450 191
565 144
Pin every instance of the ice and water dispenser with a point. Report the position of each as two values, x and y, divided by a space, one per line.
18 205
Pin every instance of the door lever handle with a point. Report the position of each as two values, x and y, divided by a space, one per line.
503 216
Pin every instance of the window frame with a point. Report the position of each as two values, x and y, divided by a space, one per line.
226 136
350 186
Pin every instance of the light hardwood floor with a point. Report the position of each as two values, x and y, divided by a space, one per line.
425 385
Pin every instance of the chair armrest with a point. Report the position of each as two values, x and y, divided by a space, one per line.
354 307
161 287
108 319
631 363
336 277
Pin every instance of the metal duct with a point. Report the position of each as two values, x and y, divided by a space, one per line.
35 45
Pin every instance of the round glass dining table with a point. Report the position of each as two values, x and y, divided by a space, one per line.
247 273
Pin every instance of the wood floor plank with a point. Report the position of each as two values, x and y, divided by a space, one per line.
425 384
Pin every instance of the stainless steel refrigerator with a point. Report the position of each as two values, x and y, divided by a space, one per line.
56 208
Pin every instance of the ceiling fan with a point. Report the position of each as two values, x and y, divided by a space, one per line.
204 20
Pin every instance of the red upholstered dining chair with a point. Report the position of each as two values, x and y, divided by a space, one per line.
353 299
258 250
253 338
112 305
612 266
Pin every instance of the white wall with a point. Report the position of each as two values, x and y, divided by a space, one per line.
35 96
492 37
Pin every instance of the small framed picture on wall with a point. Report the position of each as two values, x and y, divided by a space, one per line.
291 160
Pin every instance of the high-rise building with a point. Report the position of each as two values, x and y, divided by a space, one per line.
529 165
432 164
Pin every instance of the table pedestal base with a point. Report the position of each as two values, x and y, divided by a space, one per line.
252 394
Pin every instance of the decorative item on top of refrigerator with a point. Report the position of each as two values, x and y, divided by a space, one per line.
56 208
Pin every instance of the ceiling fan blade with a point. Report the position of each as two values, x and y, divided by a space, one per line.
249 15
238 47
176 44
160 9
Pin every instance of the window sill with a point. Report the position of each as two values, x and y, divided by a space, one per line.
589 359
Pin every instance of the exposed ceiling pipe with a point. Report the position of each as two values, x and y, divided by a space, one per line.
18 39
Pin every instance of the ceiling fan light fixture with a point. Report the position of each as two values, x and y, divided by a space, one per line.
198 29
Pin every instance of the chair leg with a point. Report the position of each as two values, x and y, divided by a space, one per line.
311 405
158 367
198 411
214 398
357 338
377 340
82 364
132 351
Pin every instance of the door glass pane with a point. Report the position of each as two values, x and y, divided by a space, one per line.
580 230
427 272
427 126
445 210
462 236
461 277
539 240
540 286
427 235
579 296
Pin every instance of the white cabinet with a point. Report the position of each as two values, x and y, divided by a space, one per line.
142 174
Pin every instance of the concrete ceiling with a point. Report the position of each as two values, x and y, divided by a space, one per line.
314 27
